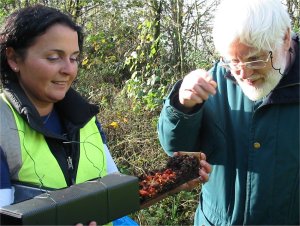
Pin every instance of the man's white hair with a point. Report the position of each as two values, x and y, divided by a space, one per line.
261 24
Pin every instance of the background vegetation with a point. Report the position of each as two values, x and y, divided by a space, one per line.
134 52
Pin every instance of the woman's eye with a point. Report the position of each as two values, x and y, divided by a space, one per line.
52 58
74 59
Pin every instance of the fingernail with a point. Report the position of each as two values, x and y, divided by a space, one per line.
201 178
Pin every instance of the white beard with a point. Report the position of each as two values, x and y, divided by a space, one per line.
271 80
255 93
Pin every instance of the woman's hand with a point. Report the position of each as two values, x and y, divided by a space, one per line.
92 223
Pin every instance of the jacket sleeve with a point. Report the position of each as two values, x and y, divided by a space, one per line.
4 171
101 131
111 165
178 131
194 131
6 190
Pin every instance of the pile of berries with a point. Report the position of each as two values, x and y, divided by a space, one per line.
179 169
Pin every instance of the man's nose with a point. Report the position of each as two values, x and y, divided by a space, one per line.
245 72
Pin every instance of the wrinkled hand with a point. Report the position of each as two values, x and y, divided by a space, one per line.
196 88
204 171
92 223
205 168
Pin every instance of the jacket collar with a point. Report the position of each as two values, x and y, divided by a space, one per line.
76 109
288 89
73 108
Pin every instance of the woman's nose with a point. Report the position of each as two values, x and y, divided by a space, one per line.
69 67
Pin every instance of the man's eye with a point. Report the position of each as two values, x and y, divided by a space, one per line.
234 61
253 59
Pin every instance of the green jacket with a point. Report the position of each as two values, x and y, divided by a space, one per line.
253 148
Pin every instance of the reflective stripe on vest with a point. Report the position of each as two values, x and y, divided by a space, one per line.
33 161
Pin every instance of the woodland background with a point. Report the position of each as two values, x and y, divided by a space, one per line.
134 51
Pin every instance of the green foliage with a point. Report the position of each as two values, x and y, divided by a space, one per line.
145 92
146 86
296 29
199 60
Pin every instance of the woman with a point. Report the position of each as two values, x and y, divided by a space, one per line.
50 136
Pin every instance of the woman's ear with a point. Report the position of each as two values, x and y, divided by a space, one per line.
12 59
287 40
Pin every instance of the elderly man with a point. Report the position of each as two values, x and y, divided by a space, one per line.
244 115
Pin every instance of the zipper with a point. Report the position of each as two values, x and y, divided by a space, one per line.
70 147
70 168
70 163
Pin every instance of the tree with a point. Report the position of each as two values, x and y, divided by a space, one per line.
293 7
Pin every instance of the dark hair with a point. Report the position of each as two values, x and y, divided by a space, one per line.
21 29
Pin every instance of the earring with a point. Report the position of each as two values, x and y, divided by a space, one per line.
16 69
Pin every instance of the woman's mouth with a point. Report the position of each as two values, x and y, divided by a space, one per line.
61 83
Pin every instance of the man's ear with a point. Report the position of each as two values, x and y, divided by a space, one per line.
287 39
12 59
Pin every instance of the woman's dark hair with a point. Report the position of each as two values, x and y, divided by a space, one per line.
21 29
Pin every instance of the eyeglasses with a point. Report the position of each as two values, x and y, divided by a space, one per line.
257 64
